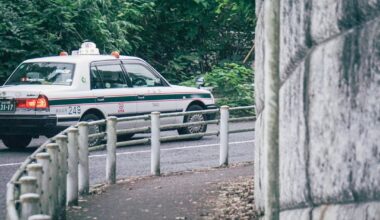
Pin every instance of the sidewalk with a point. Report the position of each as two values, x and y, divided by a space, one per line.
203 194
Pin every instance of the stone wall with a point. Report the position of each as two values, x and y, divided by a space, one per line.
329 109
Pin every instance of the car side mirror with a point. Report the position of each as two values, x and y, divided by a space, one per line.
200 81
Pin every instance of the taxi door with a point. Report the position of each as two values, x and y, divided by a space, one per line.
153 93
111 89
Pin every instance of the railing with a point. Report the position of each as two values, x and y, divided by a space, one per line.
56 174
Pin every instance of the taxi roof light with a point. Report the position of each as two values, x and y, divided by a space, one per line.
63 53
88 48
116 54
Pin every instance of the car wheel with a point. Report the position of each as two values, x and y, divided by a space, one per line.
16 142
194 129
93 129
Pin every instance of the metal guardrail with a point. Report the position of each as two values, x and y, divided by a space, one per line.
55 175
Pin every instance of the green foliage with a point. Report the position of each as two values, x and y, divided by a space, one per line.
182 39
38 28
232 84
195 35
113 24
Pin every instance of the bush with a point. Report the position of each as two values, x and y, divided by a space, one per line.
232 84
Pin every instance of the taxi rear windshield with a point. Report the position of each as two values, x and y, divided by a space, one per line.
42 73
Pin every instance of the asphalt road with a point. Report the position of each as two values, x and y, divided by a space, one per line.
135 160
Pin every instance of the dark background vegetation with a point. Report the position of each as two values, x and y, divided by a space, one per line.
181 38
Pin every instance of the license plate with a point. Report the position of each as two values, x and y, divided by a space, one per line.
7 106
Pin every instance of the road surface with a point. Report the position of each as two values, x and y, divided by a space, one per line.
135 160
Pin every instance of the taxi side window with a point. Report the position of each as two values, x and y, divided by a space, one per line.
96 81
111 76
141 76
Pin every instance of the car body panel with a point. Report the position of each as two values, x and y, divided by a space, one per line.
68 104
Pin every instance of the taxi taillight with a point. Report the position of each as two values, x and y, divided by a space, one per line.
41 102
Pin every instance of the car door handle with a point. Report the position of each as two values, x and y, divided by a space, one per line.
100 99
140 97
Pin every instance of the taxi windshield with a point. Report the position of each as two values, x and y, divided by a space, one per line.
42 73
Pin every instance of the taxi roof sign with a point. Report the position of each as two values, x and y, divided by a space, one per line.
87 48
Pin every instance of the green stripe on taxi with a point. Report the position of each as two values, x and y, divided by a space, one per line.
128 99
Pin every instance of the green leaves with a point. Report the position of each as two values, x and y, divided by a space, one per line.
182 39
232 84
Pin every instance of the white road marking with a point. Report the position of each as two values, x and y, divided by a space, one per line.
148 151
9 164
173 149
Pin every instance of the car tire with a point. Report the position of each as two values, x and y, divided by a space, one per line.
193 118
93 129
16 142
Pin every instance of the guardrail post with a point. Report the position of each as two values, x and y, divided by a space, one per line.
72 175
83 169
28 184
39 217
29 205
62 143
35 170
44 160
224 117
53 150
111 150
155 143
12 212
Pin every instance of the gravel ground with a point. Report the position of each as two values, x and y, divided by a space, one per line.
207 194
232 200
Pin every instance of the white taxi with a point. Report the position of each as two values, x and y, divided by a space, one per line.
45 95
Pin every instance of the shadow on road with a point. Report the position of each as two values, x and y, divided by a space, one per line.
30 149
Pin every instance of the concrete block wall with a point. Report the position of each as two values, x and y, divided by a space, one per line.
329 109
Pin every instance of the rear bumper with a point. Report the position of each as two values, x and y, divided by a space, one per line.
33 125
